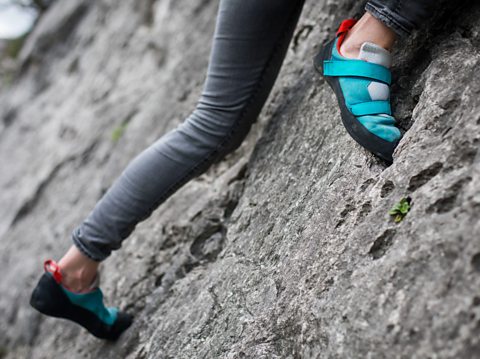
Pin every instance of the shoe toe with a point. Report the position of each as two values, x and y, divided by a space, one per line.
122 323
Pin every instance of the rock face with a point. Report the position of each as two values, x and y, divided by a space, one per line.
283 250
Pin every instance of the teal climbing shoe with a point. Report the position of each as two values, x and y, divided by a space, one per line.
362 89
51 298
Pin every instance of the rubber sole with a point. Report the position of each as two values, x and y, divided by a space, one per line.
355 129
49 299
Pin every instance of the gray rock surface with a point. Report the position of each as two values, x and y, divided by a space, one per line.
283 250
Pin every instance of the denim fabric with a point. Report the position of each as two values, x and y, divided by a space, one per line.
402 16
250 42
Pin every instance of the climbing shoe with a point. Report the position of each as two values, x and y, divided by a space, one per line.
362 89
51 298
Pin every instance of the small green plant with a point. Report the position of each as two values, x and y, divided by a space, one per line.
118 131
400 210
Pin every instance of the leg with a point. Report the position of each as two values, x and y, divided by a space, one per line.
383 20
251 39
250 42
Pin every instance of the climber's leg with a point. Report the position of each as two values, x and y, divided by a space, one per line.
250 42
356 65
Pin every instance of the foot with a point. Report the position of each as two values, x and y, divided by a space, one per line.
362 89
86 308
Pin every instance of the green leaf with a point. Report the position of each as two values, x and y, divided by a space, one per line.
393 212
400 209
404 206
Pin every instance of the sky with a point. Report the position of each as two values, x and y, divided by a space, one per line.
14 21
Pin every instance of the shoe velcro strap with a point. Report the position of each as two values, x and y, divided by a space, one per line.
371 108
357 68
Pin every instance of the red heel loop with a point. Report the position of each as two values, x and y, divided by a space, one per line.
345 26
52 267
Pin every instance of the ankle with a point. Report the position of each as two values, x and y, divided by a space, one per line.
78 271
367 29
78 280
350 49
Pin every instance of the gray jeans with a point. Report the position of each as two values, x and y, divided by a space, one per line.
402 16
244 64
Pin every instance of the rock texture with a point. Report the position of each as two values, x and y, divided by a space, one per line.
283 250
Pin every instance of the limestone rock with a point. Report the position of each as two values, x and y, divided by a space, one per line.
285 249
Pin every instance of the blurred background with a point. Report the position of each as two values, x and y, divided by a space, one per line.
17 18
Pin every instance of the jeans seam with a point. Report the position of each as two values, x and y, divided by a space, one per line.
226 139
236 124
387 19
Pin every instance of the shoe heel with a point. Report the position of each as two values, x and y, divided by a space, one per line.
42 299
49 299
322 55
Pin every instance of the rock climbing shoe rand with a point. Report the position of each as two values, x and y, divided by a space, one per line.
362 89
51 298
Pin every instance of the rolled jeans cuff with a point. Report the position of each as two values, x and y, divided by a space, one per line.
92 253
390 19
